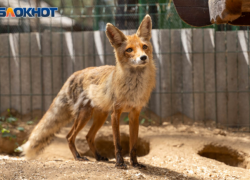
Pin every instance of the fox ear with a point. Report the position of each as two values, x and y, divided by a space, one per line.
144 30
115 36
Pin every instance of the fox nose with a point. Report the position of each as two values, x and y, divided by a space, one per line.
143 57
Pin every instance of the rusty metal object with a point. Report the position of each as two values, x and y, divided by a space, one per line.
193 12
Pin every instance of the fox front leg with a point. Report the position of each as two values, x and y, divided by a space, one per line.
133 133
115 118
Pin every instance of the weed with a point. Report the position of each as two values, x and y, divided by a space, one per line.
7 120
143 118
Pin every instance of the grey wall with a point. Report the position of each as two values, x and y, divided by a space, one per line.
202 73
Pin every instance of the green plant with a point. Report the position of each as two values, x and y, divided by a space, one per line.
144 119
29 122
11 119
7 120
18 148
20 128
5 130
126 119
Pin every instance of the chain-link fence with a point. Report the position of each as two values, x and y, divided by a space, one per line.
203 73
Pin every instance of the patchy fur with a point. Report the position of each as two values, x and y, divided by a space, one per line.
122 88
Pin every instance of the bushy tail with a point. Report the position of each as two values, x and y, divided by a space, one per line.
54 119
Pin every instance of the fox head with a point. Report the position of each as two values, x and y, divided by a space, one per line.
132 50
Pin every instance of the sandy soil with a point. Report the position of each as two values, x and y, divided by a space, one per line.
169 152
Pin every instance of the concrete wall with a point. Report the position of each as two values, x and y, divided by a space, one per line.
202 73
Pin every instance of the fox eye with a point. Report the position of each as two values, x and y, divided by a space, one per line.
129 50
145 47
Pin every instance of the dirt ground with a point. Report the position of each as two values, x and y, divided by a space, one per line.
172 151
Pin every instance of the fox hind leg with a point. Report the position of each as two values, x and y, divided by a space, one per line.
84 116
99 118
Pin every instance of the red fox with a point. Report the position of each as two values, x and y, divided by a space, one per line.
96 91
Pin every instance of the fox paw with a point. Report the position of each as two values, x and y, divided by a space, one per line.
101 158
98 157
82 159
139 166
121 165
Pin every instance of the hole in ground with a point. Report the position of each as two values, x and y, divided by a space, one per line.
105 146
224 154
